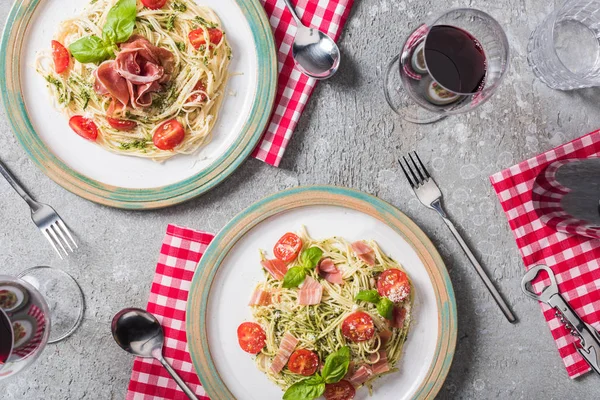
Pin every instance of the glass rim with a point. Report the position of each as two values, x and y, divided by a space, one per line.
434 21
553 18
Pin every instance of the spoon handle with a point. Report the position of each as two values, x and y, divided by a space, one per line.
290 7
179 381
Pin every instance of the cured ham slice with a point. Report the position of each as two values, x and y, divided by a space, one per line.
364 252
381 365
286 348
260 298
310 293
399 315
361 375
385 336
139 70
327 269
276 268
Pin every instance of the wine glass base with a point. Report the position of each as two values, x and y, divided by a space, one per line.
400 101
64 297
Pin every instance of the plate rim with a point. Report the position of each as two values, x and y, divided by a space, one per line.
303 196
150 198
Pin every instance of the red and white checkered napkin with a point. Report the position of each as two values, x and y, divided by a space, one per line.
575 260
180 253
294 88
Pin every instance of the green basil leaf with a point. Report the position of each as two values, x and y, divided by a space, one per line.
336 365
91 49
306 389
294 277
385 308
120 22
370 296
310 257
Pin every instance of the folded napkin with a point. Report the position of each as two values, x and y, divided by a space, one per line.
294 88
575 260
179 255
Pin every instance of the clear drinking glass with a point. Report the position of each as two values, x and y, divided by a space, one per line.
564 51
448 65
27 305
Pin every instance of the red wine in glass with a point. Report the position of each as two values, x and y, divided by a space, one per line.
455 59
6 338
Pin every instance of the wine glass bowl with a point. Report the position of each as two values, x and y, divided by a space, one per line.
450 65
24 325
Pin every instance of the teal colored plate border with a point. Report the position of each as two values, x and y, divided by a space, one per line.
197 335
10 49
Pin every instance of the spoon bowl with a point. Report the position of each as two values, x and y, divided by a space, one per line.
316 54
138 332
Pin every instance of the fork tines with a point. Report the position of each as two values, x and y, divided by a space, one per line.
57 233
417 176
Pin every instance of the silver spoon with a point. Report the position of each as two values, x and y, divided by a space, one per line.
139 332
316 54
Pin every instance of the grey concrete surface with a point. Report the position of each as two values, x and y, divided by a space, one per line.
348 136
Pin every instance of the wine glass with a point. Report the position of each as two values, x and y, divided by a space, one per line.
449 65
28 304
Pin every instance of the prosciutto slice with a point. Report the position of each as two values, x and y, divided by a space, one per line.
327 269
364 252
361 375
276 268
399 315
139 70
310 293
260 298
286 348
381 365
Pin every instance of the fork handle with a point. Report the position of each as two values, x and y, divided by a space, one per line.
17 186
480 271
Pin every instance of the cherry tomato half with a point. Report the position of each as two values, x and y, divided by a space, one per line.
303 362
358 327
198 97
394 285
197 38
84 127
61 57
154 4
168 135
251 337
342 390
287 248
121 124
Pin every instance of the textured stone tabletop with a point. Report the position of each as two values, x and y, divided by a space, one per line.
348 136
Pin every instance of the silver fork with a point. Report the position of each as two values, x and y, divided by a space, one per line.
429 194
44 217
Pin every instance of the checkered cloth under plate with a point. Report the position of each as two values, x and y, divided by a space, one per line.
575 260
179 255
294 88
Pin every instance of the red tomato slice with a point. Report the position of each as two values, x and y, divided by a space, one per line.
342 390
84 127
168 135
303 362
197 38
288 247
154 4
61 57
251 337
121 124
394 285
198 97
358 327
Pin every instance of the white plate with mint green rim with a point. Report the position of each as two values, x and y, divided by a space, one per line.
230 269
124 181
